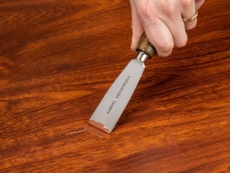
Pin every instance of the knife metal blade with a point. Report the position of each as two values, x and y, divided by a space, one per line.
117 97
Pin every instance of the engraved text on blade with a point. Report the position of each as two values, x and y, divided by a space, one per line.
118 94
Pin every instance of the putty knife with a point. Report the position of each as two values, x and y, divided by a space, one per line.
117 97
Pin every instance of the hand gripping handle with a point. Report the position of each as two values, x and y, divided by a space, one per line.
145 46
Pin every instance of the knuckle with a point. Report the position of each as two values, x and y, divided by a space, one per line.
164 54
191 25
168 8
165 49
181 42
146 12
187 3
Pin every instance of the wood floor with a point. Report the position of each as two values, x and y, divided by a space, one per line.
58 59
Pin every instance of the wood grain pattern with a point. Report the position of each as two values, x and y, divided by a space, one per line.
57 60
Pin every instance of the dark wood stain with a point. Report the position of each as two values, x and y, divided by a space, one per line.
57 60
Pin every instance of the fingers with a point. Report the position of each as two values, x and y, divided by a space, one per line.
165 30
137 27
189 9
199 3
156 30
172 19
160 36
162 22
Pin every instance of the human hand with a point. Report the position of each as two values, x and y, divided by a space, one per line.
162 22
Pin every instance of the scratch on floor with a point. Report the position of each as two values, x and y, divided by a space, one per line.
80 131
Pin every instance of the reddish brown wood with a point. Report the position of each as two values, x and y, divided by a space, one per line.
57 60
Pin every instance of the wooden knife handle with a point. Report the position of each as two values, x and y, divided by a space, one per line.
145 46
